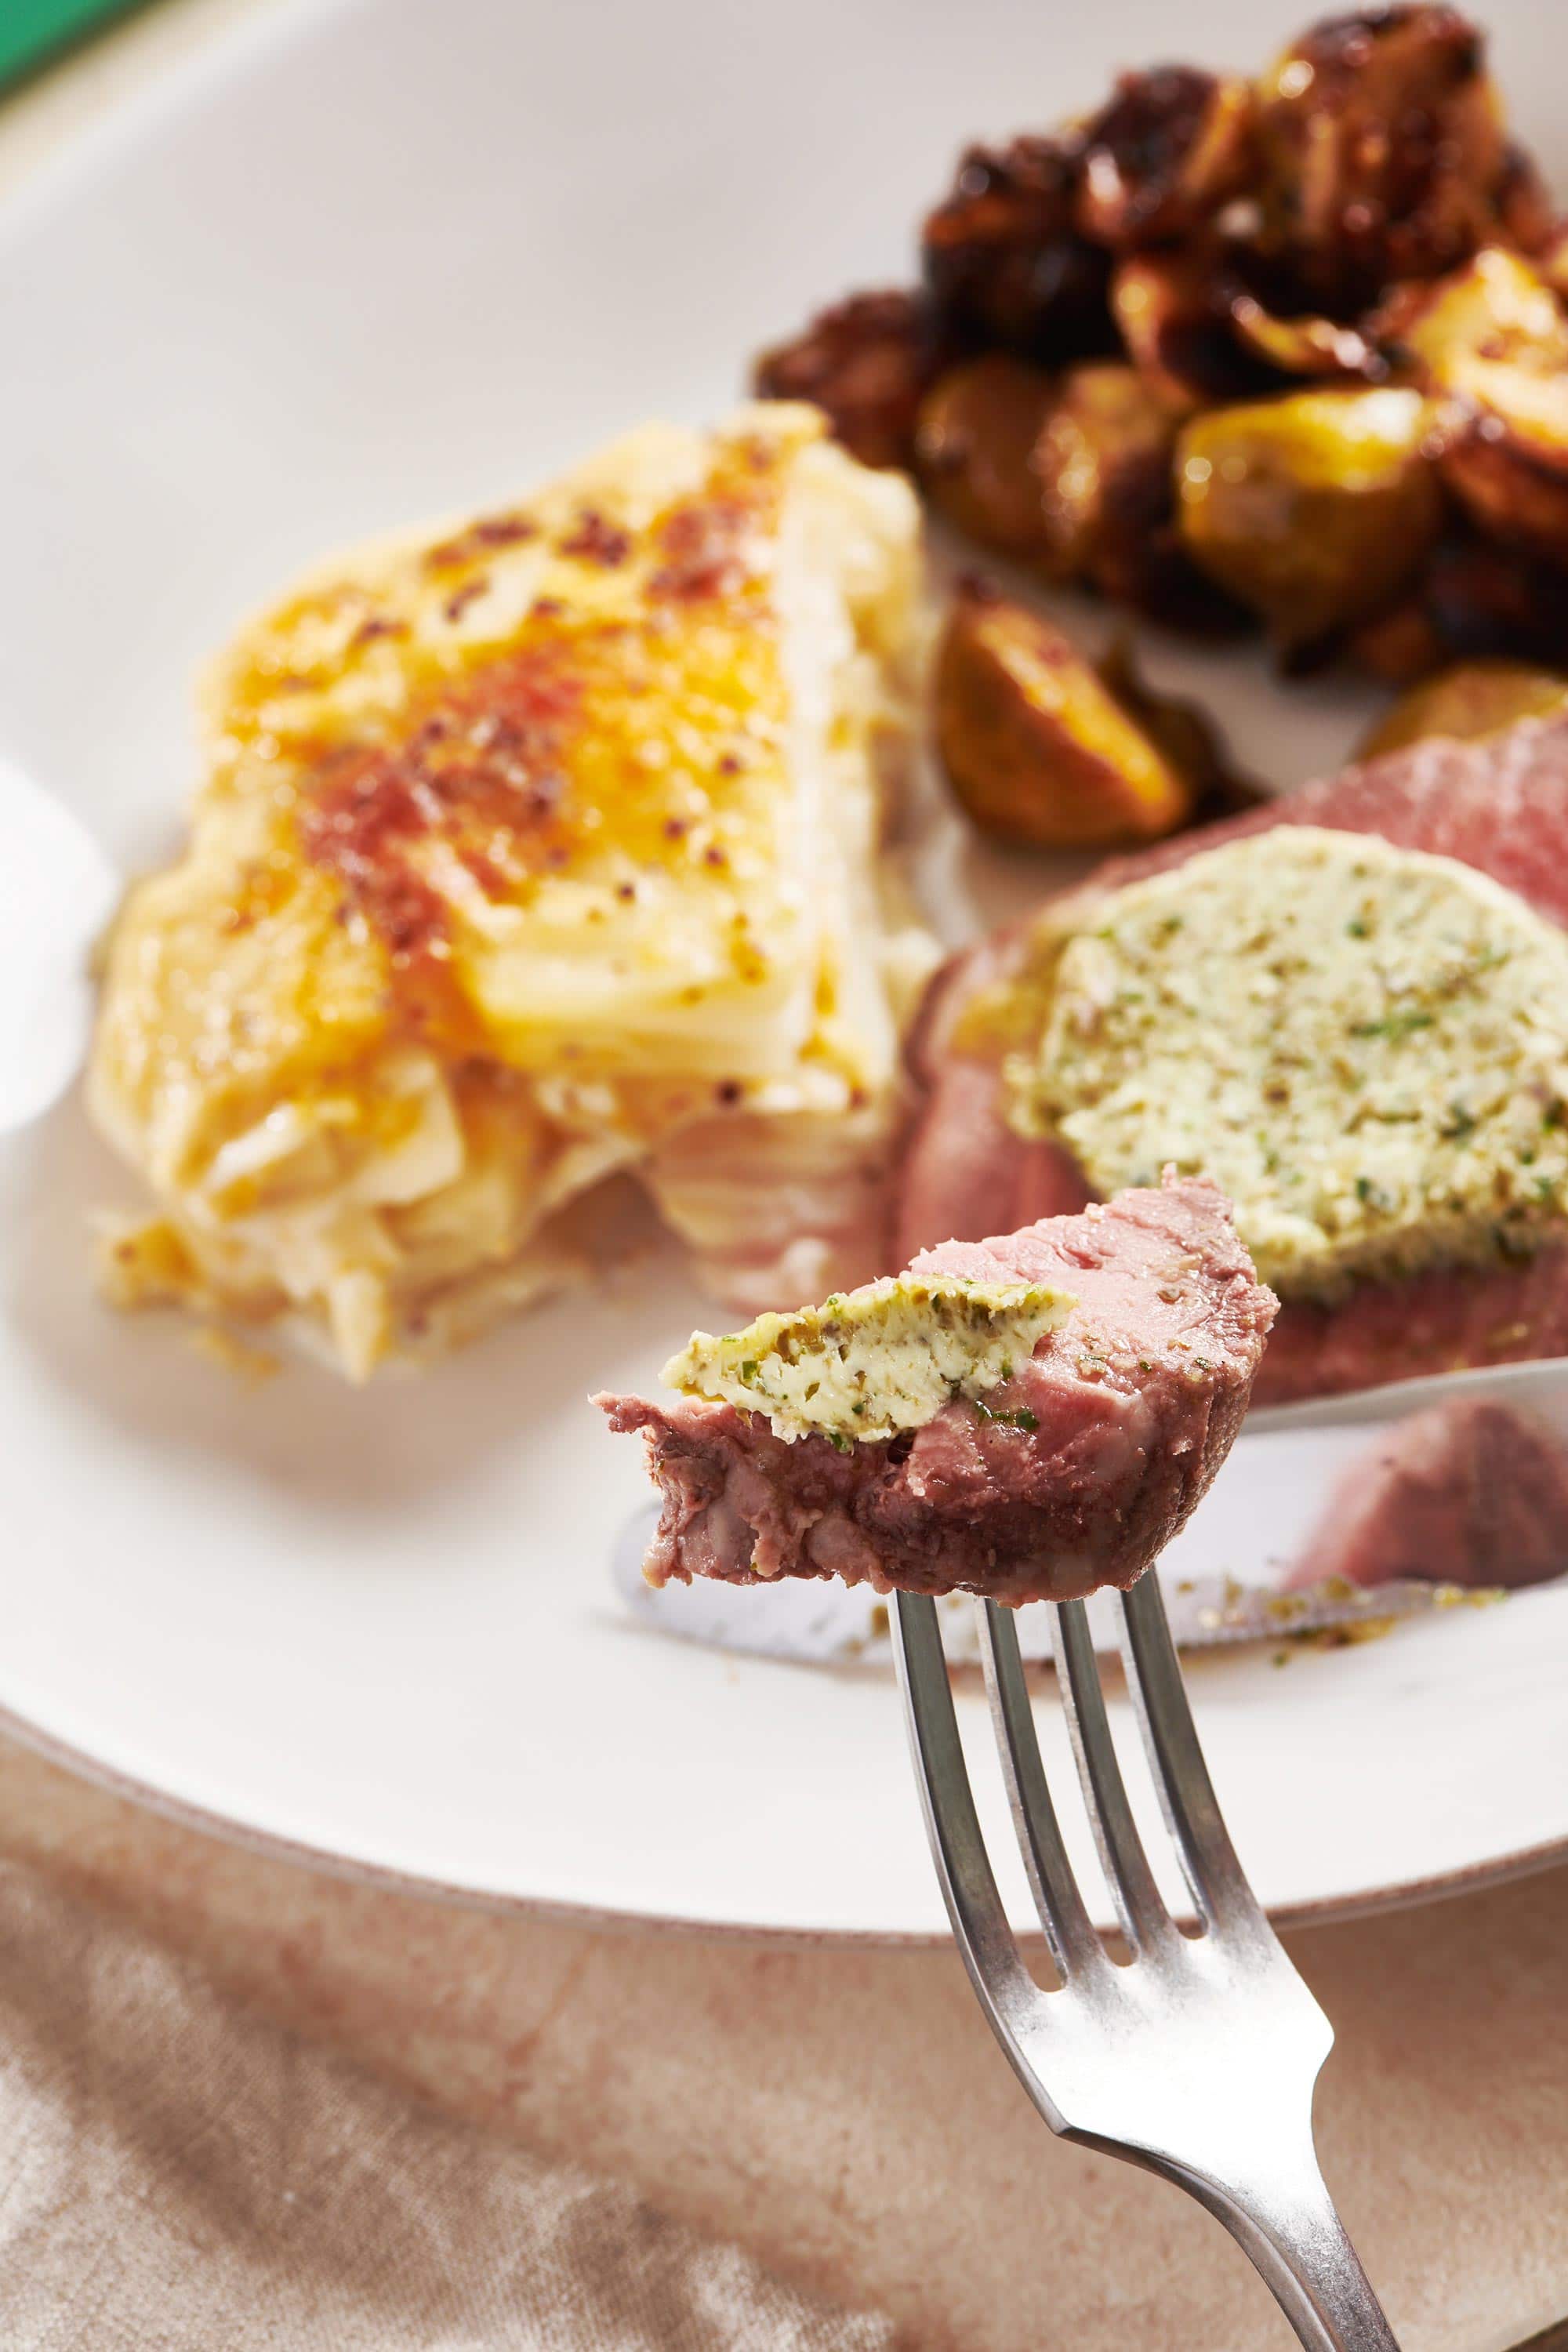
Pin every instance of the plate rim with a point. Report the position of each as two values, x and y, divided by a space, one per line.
300 1853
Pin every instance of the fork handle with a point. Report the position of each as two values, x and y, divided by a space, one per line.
1297 2242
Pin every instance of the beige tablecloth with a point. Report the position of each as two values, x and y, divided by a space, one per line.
841 2114
175 2172
243 2106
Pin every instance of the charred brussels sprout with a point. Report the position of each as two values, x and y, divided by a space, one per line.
1172 146
1314 509
1382 151
1173 312
1304 346
1004 265
1037 749
1492 344
1474 699
864 362
974 443
1103 465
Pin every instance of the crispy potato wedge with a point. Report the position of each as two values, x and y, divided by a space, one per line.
1472 699
1314 509
974 443
1037 749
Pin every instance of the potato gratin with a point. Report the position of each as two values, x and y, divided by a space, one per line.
538 865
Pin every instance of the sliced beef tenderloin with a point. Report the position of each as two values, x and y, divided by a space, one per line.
1468 1493
1074 1474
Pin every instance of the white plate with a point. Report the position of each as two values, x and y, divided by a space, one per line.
371 262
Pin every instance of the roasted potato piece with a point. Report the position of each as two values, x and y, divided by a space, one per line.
1037 749
1382 151
1168 148
975 441
1315 510
865 361
1492 343
1103 465
1004 265
1473 699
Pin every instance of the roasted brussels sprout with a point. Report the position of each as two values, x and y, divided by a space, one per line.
1314 509
1472 602
1171 147
1492 343
1485 601
975 441
1473 699
865 362
1173 311
1551 260
1496 310
1526 215
1103 465
1304 346
1400 646
1509 467
1005 266
1382 151
1037 749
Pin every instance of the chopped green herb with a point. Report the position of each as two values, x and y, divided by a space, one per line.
1395 1025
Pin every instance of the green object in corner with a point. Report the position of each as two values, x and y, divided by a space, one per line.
30 30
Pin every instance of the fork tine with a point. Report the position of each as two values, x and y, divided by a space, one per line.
1132 1882
1004 1985
1218 1883
1069 1929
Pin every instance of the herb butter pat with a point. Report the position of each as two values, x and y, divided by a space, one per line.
1365 1047
872 1361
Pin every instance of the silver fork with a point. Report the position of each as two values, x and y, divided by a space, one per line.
1197 2057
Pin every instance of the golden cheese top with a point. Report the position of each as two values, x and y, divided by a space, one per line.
584 788
1365 1047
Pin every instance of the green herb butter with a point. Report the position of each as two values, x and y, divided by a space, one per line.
1365 1047
870 1362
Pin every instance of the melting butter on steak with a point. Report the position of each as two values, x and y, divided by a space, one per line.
872 1361
1365 1047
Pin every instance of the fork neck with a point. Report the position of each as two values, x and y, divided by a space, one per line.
1297 2244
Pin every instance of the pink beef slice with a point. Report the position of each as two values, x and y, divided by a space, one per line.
1468 1493
1499 806
1127 1411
